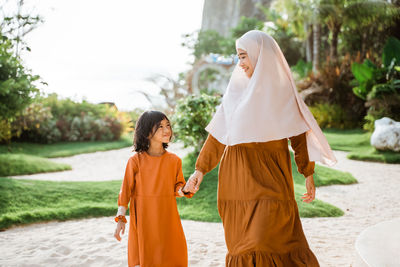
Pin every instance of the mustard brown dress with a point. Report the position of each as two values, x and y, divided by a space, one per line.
256 201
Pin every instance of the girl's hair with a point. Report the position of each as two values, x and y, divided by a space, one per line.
146 126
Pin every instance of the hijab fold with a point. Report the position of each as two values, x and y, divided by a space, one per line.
266 106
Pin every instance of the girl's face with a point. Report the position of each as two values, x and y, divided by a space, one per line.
245 62
162 133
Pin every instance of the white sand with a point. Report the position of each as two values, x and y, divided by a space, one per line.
98 166
90 242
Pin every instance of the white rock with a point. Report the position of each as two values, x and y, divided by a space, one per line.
386 135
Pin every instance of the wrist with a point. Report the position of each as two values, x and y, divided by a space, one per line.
120 218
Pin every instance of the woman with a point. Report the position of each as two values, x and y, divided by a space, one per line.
248 135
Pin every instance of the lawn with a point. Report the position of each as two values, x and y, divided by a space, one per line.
357 143
65 149
29 158
17 164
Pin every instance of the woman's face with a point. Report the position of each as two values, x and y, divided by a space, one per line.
245 62
163 132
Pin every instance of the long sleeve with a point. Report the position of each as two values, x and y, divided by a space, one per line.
299 145
128 183
210 155
180 181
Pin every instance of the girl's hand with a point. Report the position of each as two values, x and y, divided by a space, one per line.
310 195
193 184
120 226
180 193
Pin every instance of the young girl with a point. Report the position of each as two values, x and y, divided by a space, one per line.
153 178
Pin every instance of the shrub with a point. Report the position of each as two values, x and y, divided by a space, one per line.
191 116
330 116
51 119
379 87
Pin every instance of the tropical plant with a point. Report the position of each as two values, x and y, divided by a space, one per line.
380 86
191 116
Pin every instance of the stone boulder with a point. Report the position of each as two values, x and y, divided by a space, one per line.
386 135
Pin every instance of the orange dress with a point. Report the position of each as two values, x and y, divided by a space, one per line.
150 186
256 201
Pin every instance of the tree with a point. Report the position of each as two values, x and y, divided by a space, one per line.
354 14
16 22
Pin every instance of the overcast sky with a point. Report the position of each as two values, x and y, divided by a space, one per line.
102 50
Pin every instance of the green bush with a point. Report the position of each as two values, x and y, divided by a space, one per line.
50 120
301 69
380 86
191 116
330 116
16 88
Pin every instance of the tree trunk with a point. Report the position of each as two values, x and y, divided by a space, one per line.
316 46
334 43
309 39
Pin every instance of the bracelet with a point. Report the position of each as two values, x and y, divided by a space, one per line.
122 218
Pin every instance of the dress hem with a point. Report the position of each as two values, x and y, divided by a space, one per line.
297 257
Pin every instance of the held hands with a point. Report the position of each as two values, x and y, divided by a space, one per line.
120 227
310 195
193 184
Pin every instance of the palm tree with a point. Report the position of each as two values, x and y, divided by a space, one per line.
353 13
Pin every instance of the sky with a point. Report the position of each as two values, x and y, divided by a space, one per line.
102 51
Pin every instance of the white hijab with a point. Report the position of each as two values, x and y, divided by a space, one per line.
266 106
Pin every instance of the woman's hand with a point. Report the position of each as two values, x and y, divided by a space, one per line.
120 227
193 184
310 195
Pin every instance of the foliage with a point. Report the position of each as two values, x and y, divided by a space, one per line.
50 119
16 22
331 95
380 86
16 83
192 115
284 35
302 69
330 116
210 41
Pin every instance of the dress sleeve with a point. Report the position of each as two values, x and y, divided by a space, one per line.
180 181
299 145
210 155
128 183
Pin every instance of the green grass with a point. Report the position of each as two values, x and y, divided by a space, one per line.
30 201
357 142
65 149
17 164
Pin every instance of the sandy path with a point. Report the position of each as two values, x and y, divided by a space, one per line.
90 243
374 199
98 166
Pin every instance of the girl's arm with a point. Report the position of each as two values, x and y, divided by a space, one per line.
180 183
125 196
